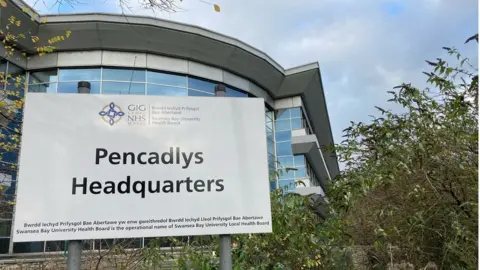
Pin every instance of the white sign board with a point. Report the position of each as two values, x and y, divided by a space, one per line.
101 166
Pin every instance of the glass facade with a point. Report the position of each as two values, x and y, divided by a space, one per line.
269 116
292 168
106 80
125 82
12 87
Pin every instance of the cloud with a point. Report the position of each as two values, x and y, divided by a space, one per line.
364 47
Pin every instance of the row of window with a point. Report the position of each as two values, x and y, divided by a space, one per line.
292 167
271 149
124 81
15 82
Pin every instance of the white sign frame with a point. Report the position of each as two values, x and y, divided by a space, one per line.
217 147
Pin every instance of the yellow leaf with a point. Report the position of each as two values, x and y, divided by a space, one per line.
216 7
3 3
11 203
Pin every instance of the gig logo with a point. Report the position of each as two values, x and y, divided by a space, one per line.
137 114
111 113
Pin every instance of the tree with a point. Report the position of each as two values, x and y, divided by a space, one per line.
299 241
12 88
13 84
410 184
168 6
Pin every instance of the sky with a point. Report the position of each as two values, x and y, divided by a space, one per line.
364 48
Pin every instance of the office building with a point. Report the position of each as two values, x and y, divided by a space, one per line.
133 55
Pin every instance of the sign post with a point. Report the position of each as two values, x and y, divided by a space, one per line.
225 244
74 255
201 161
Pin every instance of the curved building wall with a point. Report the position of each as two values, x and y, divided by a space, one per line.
152 43
124 81
144 61
105 80
168 59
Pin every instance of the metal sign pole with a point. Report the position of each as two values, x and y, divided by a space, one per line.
225 241
225 252
74 255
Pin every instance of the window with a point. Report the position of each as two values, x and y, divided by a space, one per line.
283 136
43 77
52 246
4 244
296 112
270 147
235 93
269 134
162 90
93 74
282 125
3 72
15 81
123 88
284 149
194 93
273 185
300 173
28 247
111 74
201 85
271 160
296 123
286 174
287 184
5 227
112 80
283 114
166 79
299 160
286 162
286 121
43 88
72 87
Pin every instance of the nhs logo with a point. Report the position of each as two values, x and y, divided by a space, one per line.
135 114
138 114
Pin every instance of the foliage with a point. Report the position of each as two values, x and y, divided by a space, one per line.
169 6
297 241
12 87
410 182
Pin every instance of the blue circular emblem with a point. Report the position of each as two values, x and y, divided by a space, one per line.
111 113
